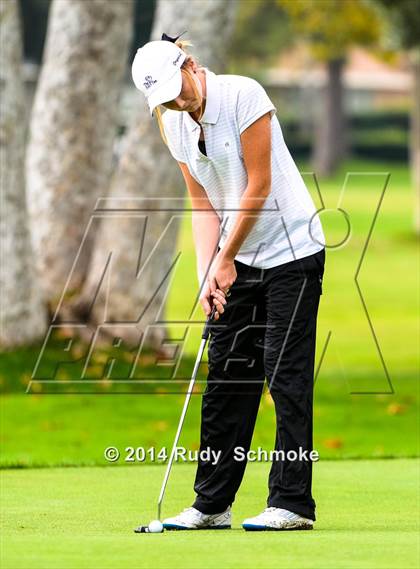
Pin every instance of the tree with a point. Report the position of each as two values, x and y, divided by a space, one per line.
22 313
404 17
72 130
261 32
331 27
146 173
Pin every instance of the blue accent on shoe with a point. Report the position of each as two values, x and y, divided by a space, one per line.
174 526
252 527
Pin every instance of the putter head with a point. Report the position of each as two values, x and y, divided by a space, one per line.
142 529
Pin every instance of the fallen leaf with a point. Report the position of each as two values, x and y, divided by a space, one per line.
333 443
161 426
396 409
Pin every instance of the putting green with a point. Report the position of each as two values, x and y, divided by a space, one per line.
83 518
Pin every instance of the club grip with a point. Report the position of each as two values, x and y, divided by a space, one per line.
209 320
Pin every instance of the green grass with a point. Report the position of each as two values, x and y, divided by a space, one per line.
83 518
75 429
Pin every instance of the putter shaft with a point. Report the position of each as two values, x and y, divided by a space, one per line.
204 339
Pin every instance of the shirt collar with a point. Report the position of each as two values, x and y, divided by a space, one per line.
212 110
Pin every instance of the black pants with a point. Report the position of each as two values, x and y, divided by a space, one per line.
268 331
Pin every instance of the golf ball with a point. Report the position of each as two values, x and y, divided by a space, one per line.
155 527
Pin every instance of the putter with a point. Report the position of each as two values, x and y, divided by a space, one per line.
204 338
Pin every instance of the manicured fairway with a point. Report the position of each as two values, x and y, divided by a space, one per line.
83 518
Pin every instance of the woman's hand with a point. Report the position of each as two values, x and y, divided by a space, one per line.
208 299
221 277
222 274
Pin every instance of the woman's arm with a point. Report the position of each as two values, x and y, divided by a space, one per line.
256 148
206 234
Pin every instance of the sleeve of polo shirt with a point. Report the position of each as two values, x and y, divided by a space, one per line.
172 138
253 102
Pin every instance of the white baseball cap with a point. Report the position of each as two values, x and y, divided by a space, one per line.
156 71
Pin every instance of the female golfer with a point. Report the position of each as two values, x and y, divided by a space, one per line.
260 261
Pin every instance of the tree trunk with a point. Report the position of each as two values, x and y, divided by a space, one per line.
22 313
330 146
131 291
72 130
415 136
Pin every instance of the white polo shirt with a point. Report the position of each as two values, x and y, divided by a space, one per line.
288 226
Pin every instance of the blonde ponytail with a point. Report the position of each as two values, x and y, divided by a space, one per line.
183 44
158 113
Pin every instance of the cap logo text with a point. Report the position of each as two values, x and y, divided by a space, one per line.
175 61
149 81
